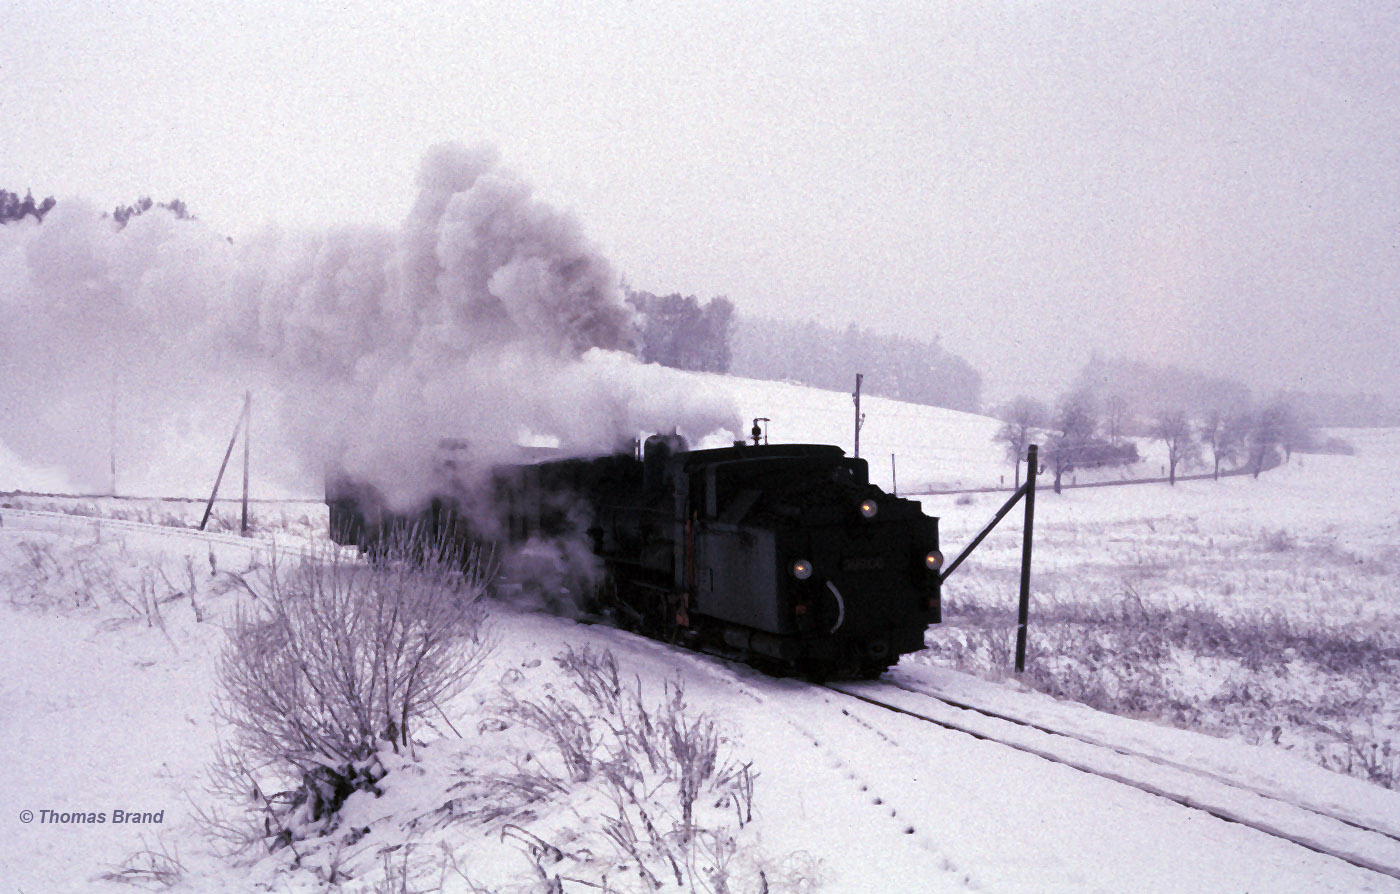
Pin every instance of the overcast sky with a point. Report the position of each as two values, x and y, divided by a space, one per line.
1206 184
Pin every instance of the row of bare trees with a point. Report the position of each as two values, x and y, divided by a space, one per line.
1078 434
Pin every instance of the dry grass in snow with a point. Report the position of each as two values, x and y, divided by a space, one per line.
1264 610
280 519
564 776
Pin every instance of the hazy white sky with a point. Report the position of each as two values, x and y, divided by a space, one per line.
1206 184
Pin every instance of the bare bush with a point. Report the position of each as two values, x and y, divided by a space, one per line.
154 866
1373 757
1279 541
52 576
1267 676
95 574
141 595
658 766
336 659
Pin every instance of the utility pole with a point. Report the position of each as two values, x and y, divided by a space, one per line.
1026 491
112 428
242 419
1023 609
247 430
859 418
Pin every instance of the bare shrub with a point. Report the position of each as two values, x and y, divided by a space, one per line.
1373 756
189 585
154 865
91 575
336 659
141 595
1266 673
658 766
1279 541
49 576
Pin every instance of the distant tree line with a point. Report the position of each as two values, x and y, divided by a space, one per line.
1200 421
895 366
683 333
686 333
123 213
13 208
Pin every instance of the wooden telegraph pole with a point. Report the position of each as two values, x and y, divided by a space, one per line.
247 430
1023 612
1027 491
242 421
112 429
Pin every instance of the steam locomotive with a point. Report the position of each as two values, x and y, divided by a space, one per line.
785 554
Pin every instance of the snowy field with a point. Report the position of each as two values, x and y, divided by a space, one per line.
111 636
1263 609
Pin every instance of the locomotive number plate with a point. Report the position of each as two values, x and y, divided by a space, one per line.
863 563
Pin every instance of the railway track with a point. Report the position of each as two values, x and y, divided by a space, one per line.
1360 841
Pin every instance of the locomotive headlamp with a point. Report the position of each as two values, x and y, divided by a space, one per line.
868 508
801 569
934 560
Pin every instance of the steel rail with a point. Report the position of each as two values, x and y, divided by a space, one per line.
1186 800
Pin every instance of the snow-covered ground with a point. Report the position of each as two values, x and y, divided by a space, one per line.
105 700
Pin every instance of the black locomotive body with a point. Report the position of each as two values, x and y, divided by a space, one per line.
786 553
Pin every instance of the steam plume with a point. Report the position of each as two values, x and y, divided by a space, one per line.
487 317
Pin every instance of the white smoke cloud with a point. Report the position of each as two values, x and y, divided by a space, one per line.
486 317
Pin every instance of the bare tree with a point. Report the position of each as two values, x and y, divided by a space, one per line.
1224 433
1115 415
1021 416
1173 429
1075 423
1298 432
1269 430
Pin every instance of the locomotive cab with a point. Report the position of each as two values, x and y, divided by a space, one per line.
804 560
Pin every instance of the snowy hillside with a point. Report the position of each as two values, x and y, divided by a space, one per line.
112 630
934 448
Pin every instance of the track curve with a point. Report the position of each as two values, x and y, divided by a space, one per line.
1328 832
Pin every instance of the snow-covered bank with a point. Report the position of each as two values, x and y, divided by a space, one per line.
103 712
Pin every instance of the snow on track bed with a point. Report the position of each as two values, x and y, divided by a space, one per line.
42 519
1323 830
62 522
839 780
999 820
